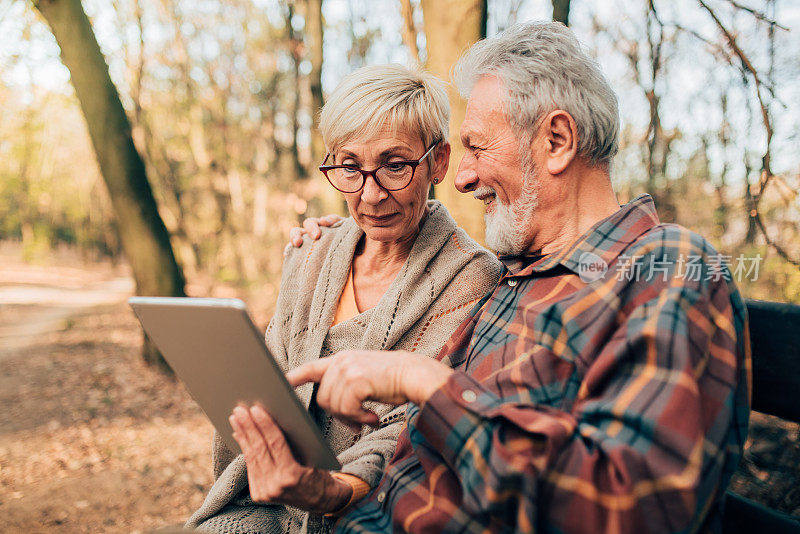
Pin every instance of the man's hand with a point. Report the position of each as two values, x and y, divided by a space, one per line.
272 472
311 226
348 378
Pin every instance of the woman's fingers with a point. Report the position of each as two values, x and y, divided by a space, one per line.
277 477
254 444
237 432
273 436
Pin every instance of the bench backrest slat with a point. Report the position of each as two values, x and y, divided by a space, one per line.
775 342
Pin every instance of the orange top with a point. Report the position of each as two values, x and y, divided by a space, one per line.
347 307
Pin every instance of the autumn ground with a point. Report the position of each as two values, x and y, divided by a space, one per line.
92 440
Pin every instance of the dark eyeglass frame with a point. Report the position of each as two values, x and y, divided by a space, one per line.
374 173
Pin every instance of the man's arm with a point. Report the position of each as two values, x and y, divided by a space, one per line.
348 378
643 447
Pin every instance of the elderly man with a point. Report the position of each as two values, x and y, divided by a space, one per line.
602 386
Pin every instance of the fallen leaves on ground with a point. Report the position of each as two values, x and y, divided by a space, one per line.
93 440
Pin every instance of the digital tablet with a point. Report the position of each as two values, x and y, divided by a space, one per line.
219 354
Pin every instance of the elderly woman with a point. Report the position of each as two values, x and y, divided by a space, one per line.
397 274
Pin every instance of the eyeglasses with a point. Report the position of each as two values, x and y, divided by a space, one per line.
392 176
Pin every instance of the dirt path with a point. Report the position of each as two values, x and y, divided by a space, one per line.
34 309
91 439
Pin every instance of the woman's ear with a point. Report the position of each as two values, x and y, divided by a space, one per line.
560 140
441 162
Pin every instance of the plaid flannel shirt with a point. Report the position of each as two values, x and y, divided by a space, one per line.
612 398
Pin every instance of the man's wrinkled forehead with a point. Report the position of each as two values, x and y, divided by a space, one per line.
486 110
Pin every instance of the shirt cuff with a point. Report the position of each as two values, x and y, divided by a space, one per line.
456 415
441 421
359 487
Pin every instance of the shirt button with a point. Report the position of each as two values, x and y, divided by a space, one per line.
468 395
512 283
382 496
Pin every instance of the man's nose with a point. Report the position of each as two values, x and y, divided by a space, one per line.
372 192
466 179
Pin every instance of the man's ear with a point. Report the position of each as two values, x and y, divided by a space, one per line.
560 135
441 162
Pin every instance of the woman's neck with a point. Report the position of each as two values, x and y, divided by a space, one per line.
374 257
375 266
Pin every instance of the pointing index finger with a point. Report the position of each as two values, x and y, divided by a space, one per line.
308 372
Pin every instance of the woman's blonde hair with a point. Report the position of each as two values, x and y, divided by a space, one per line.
371 97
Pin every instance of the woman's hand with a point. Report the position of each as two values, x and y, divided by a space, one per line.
348 378
311 226
273 473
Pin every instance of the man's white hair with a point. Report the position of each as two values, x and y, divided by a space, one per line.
543 68
369 98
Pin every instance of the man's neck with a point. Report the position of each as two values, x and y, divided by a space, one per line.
577 203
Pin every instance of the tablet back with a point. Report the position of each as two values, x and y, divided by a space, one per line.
215 349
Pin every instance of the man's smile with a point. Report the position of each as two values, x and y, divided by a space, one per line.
487 196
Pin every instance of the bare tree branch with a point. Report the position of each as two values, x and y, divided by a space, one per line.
779 249
757 14
746 63
748 66
766 171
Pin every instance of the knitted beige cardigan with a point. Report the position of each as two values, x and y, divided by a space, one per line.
444 276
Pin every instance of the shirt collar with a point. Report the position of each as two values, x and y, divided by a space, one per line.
606 239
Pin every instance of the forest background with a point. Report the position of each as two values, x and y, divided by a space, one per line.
176 140
223 96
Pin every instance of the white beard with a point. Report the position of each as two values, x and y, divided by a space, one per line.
508 226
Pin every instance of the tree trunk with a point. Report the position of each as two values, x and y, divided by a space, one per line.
143 235
451 26
328 200
561 11
313 40
409 30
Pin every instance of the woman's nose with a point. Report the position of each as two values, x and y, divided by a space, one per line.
466 178
372 192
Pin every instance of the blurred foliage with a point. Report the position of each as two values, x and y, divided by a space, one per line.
219 97
41 205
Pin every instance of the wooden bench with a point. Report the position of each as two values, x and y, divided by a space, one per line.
775 341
